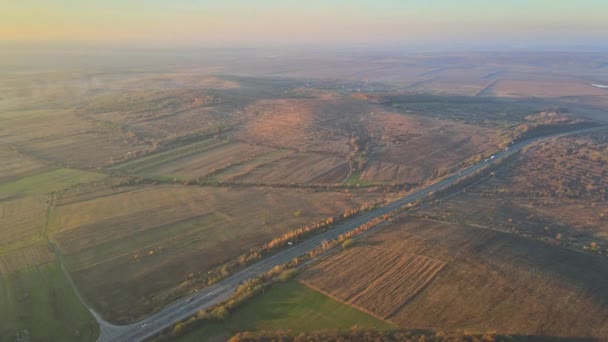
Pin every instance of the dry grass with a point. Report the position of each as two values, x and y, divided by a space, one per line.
408 147
300 124
554 192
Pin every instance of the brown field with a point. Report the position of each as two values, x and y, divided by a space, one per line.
61 137
491 281
155 241
300 124
208 119
25 258
391 278
22 221
15 164
456 81
409 147
542 88
209 161
299 168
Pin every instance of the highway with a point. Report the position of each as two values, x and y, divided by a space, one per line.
222 290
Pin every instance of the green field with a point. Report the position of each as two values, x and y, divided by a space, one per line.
38 304
50 181
288 306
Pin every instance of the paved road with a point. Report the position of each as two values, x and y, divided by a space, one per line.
222 290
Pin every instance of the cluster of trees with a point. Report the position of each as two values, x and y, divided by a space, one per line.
296 234
356 334
359 149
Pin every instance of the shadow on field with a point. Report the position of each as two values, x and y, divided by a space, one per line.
531 338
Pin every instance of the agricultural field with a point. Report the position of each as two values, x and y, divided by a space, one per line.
473 279
49 181
37 303
23 221
60 137
288 306
158 241
542 88
391 280
301 168
208 162
16 165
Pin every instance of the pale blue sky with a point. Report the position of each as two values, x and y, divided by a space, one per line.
234 22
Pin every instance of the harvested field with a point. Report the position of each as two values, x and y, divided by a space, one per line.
144 104
155 240
25 258
22 221
208 162
60 137
381 283
15 164
491 281
235 172
382 172
300 168
48 182
542 88
208 119
142 164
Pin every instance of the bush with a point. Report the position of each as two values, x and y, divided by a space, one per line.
179 328
288 274
220 313
348 243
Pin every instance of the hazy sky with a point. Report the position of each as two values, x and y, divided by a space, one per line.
266 22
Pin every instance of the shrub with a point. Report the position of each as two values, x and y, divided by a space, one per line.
220 313
348 243
288 274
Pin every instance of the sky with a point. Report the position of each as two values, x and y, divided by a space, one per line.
245 23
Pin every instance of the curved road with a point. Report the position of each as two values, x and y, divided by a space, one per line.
223 289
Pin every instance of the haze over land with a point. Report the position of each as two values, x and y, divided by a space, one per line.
403 170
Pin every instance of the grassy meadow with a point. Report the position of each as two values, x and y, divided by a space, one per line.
287 306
